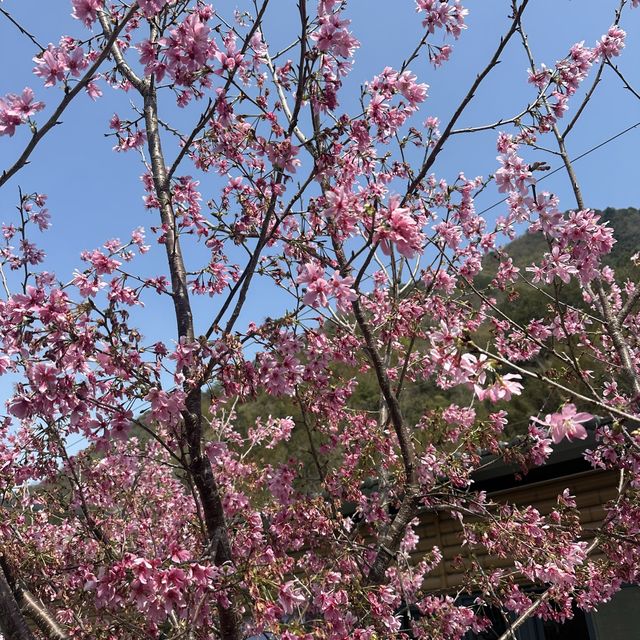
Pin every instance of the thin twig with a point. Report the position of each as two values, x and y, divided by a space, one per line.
20 28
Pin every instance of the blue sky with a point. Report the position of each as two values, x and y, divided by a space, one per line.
95 194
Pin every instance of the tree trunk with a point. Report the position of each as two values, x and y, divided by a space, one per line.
12 623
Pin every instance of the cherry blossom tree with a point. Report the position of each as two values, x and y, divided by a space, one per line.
173 520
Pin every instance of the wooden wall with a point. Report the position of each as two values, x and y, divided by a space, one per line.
592 489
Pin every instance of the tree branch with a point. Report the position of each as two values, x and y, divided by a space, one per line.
463 105
7 174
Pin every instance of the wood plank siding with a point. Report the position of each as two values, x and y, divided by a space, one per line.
592 490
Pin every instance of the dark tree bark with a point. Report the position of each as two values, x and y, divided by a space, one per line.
12 623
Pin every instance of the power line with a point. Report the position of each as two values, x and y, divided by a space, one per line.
582 155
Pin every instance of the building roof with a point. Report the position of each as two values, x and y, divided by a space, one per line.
567 458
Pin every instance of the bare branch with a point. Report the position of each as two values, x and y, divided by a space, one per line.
122 65
627 86
20 28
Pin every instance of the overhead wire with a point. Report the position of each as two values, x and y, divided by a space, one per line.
579 157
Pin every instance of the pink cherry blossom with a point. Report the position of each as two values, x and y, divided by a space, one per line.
151 7
51 66
86 10
568 423
612 43
16 110
400 229
289 597
443 14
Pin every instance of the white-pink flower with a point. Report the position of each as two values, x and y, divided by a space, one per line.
290 598
401 229
566 424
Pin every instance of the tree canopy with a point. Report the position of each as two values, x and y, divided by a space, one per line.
245 475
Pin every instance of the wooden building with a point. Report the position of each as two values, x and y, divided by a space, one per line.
592 488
